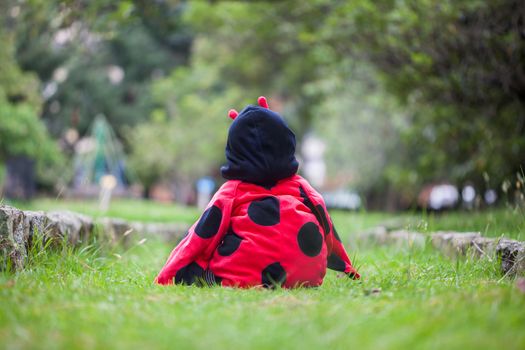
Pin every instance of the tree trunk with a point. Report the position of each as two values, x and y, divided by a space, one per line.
20 178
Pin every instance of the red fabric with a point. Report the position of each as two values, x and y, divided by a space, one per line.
262 245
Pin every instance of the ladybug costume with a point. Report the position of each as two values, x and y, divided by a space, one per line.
266 225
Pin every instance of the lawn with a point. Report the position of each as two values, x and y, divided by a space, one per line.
129 209
102 297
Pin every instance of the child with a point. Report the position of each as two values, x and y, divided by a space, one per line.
266 225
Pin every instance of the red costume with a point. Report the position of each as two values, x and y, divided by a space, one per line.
266 226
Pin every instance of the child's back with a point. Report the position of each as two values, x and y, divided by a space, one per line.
273 235
266 225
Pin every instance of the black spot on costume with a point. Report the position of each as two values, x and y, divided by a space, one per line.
209 222
310 239
265 212
273 275
229 244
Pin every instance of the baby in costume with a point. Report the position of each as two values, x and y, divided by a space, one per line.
266 225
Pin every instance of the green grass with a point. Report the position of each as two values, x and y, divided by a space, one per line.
491 223
501 222
129 209
104 298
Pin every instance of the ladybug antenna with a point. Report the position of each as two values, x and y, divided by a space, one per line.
262 102
233 114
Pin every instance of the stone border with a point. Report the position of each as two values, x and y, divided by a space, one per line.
18 228
510 253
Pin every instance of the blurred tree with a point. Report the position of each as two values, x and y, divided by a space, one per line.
361 125
185 138
99 57
456 69
22 133
270 50
459 68
278 52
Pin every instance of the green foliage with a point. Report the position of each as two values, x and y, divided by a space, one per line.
236 57
455 65
92 57
187 136
361 129
21 130
266 49
91 60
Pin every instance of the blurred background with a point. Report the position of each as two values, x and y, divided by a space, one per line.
396 104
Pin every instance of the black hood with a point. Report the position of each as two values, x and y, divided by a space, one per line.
260 148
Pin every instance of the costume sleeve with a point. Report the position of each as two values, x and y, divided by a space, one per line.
337 258
188 262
